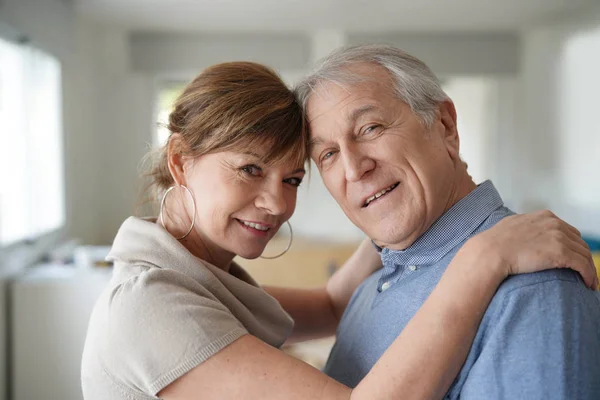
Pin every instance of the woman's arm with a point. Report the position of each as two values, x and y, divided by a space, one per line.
317 312
423 361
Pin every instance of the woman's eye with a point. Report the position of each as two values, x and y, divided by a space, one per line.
252 170
294 181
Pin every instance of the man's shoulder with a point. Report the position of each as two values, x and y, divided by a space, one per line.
562 280
525 344
544 291
528 312
559 279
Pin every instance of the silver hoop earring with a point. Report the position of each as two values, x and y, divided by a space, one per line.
288 246
162 205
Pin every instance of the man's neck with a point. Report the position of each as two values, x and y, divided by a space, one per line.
461 189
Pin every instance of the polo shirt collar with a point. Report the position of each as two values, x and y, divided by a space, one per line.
452 228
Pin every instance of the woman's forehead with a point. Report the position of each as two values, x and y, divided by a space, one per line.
267 152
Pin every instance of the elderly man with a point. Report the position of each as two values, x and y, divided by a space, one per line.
384 138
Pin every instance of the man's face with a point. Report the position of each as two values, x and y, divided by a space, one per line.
392 176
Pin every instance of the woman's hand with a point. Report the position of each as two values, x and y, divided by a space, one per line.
534 242
317 312
340 287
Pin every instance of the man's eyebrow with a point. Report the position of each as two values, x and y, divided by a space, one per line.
359 112
354 115
315 141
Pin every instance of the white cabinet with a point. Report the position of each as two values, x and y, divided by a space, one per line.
49 311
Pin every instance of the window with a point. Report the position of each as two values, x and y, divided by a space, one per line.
579 146
473 98
167 94
31 153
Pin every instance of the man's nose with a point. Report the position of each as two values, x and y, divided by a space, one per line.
356 162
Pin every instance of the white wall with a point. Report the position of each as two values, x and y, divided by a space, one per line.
579 139
53 26
455 54
48 24
486 107
168 53
475 102
103 143
543 140
122 132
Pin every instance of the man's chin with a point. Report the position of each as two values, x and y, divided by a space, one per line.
392 241
390 236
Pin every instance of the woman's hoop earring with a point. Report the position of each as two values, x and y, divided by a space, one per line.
288 246
162 205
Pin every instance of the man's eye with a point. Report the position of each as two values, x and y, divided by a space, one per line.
326 156
371 129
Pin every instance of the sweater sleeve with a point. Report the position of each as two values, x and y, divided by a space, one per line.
162 324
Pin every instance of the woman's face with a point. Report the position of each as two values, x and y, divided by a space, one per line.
241 203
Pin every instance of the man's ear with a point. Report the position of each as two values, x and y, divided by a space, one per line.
176 158
448 119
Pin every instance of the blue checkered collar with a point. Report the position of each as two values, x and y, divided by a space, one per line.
452 228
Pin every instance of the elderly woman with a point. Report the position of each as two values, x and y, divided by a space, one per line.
180 320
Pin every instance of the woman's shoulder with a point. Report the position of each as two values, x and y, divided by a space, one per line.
140 278
150 321
140 291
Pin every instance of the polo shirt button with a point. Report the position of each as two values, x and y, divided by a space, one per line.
412 267
385 286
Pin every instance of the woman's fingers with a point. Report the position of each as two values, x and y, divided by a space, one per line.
573 258
541 240
578 245
568 249
581 264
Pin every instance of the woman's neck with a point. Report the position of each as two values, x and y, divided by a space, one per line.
197 243
212 254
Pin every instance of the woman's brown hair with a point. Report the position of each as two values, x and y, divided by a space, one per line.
231 107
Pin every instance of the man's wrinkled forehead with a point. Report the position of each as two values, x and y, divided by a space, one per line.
331 93
326 97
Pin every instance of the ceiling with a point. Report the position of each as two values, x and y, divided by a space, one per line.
311 15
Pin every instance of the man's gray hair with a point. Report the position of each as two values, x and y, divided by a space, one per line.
414 82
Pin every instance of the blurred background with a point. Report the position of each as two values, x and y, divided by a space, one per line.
84 83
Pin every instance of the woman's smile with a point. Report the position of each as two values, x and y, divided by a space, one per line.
256 228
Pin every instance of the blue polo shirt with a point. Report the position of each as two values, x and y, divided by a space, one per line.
539 338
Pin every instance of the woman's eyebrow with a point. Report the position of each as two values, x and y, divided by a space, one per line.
250 153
